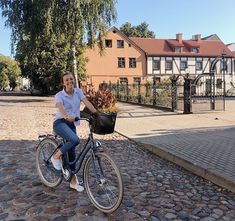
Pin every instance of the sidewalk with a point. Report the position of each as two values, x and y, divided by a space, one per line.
202 143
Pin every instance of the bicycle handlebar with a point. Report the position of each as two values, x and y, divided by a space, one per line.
88 119
81 118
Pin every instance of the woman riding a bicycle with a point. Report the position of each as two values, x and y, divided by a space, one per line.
68 103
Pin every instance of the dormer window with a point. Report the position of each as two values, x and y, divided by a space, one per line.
178 49
194 50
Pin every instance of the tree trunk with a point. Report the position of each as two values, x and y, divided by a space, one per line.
74 65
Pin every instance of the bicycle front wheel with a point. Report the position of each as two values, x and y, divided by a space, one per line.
103 182
47 173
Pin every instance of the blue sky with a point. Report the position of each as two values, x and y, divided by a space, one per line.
168 17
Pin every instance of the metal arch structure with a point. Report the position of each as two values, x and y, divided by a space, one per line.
214 92
212 68
203 92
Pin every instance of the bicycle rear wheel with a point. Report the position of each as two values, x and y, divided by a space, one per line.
47 173
103 182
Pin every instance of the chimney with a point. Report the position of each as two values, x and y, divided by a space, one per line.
197 37
179 37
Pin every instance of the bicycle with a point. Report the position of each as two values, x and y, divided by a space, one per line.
101 176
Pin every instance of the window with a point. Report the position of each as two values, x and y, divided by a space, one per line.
157 79
136 80
123 81
108 43
156 65
208 87
219 83
168 65
121 62
223 66
183 65
120 43
178 49
198 65
194 50
132 62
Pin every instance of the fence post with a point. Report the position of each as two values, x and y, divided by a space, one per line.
187 95
139 95
154 91
110 86
173 93
127 92
117 90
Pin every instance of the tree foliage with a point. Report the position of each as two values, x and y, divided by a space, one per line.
45 32
141 30
9 72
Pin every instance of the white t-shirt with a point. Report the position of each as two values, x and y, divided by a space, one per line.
71 103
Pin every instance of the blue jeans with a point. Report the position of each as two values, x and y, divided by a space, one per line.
67 131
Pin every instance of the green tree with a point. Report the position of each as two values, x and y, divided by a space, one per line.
141 30
9 72
3 80
50 35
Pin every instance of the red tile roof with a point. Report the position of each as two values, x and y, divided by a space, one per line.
174 43
192 44
161 47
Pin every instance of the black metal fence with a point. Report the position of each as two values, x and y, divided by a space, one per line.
155 94
178 93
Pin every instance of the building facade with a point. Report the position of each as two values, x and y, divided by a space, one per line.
122 61
140 59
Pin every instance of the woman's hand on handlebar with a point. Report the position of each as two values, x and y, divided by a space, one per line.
70 118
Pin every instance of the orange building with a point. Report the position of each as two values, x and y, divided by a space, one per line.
122 61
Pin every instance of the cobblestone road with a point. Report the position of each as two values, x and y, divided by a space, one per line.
154 189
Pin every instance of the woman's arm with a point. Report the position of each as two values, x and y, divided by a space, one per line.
89 105
60 106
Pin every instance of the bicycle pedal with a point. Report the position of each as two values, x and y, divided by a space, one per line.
97 144
66 174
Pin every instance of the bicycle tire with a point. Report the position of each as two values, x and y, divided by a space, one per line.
47 173
109 188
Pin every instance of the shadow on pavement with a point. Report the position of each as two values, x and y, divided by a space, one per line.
21 100
14 93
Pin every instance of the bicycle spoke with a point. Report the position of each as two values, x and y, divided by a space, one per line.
103 182
49 176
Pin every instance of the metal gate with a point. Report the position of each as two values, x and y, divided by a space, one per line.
208 92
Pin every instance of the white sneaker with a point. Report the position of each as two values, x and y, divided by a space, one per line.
57 164
77 187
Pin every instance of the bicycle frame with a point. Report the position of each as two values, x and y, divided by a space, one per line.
90 145
80 158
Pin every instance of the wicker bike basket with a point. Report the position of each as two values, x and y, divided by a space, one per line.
104 123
